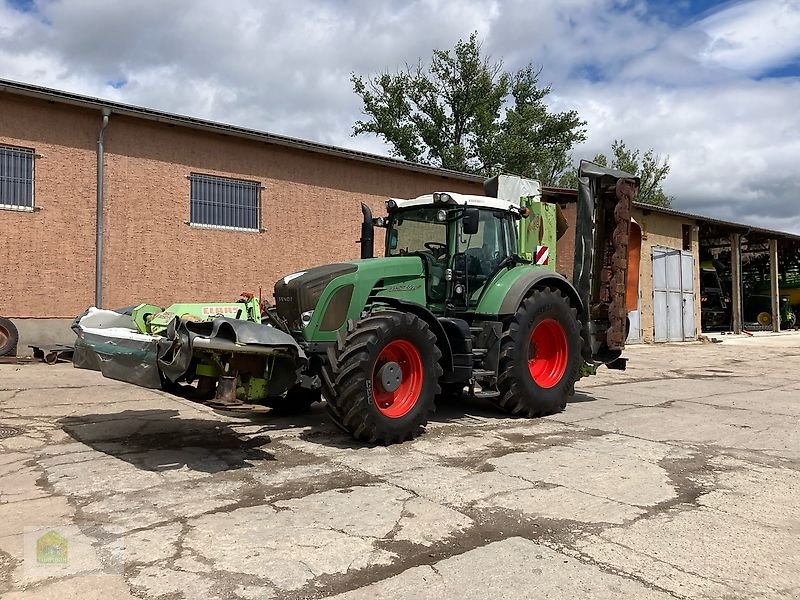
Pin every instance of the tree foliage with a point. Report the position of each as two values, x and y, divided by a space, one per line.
466 113
651 169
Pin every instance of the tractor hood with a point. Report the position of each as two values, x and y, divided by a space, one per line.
299 294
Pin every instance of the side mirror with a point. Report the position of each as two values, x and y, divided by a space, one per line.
469 221
393 239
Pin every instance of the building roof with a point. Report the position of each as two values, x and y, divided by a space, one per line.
733 226
88 102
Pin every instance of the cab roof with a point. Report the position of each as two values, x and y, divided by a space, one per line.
458 199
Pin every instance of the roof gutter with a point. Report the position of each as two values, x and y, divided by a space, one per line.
98 268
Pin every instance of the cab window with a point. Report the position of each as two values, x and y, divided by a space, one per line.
487 248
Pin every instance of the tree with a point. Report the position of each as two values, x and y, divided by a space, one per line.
651 169
466 113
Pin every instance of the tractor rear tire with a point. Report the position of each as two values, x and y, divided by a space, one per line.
9 337
540 356
375 347
296 401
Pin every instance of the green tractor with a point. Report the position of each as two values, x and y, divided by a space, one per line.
459 303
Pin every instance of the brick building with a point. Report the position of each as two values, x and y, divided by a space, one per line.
297 204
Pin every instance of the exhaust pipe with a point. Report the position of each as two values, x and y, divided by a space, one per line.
367 240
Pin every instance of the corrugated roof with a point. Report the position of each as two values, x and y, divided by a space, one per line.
52 95
733 225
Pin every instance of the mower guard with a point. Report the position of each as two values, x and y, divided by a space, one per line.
109 342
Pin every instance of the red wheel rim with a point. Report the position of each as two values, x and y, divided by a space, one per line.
547 358
397 403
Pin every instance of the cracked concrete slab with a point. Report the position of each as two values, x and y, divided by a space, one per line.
282 551
327 533
158 581
459 446
703 553
767 495
690 422
19 485
513 568
86 587
51 510
623 478
562 503
455 486
99 475
148 507
13 462
143 547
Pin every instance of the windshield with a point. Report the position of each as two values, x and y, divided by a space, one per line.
494 241
410 230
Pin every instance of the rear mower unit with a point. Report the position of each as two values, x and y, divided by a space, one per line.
465 300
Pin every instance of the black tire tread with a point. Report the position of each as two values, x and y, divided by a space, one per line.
10 347
345 382
512 398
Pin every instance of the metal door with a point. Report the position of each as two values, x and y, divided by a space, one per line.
687 293
673 295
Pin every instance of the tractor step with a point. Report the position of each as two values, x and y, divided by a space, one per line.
482 394
483 374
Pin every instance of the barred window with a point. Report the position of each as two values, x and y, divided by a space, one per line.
224 203
16 178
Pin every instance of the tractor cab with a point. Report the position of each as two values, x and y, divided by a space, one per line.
463 241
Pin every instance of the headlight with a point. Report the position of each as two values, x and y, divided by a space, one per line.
442 197
305 318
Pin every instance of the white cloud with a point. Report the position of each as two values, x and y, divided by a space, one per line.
753 36
689 91
730 156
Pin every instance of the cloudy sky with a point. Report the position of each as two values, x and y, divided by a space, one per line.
713 85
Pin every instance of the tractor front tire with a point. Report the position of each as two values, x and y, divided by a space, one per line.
540 356
385 378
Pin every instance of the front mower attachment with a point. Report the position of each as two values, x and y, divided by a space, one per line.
255 361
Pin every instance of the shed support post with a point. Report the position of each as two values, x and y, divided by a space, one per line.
774 288
736 282
98 248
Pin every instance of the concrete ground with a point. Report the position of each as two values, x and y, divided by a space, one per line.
675 479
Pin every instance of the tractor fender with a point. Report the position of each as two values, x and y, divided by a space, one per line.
535 279
442 340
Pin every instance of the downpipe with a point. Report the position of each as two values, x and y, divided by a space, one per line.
98 267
